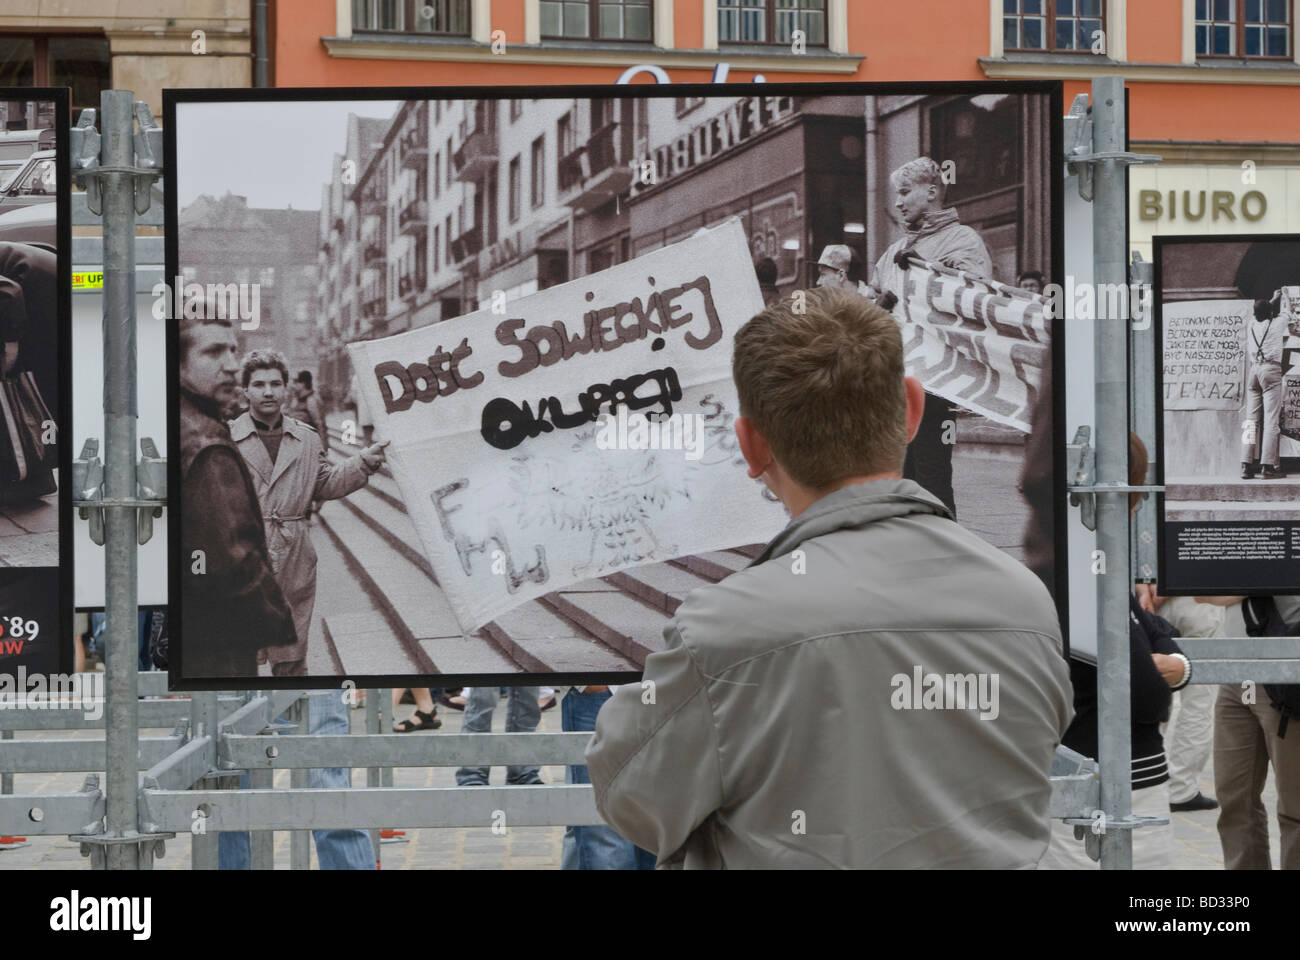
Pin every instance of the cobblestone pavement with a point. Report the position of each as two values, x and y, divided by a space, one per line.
1197 841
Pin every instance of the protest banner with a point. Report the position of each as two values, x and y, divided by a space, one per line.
575 432
1204 358
974 342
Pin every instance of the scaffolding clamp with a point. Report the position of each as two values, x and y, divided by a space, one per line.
1079 155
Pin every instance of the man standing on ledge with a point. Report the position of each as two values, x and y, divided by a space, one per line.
290 470
933 234
879 687
233 605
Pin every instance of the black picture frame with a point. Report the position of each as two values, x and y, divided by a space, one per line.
172 99
1172 579
54 584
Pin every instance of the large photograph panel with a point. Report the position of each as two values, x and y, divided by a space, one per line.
35 626
1229 328
475 369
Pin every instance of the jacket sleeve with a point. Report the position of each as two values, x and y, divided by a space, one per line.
336 480
970 255
653 759
236 567
1150 696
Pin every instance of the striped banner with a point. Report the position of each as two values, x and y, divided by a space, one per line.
978 343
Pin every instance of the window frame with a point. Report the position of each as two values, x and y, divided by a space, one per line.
593 23
769 28
1050 28
409 12
537 171
43 64
1239 34
514 188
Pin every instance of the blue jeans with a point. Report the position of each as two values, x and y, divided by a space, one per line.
335 849
594 848
522 716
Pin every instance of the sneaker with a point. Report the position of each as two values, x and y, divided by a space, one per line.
1272 473
1248 470
1198 802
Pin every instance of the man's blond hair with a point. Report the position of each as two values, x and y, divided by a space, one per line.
824 385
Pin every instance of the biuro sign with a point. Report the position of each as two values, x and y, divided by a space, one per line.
510 426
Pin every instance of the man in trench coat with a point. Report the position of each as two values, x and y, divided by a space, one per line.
290 470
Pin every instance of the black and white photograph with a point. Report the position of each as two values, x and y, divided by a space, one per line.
355 280
35 293
1229 329
29 325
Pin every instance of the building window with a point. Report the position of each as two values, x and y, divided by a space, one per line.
513 211
447 238
1062 26
437 174
437 247
537 171
564 135
449 163
599 19
82 63
444 17
686 104
772 21
516 110
1243 28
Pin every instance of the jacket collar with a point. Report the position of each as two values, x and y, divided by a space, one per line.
854 506
934 222
255 455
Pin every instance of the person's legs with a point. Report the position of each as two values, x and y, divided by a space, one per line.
477 719
336 849
590 847
1153 847
523 714
929 459
1270 378
234 851
1254 407
1189 745
1284 754
1240 769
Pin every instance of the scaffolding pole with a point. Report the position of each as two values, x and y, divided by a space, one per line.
120 604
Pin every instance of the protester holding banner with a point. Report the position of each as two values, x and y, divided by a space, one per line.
233 604
934 234
290 470
1260 430
724 764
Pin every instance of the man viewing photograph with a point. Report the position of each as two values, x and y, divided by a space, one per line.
785 724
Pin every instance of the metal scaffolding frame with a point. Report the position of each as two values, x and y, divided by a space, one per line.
188 778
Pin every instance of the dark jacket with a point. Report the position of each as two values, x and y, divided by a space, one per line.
234 606
1150 698
29 312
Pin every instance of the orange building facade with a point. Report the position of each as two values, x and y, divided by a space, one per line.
1214 89
1214 85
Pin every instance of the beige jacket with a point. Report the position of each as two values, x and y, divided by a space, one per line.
791 721
301 473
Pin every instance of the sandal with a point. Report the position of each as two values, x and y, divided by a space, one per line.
428 721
